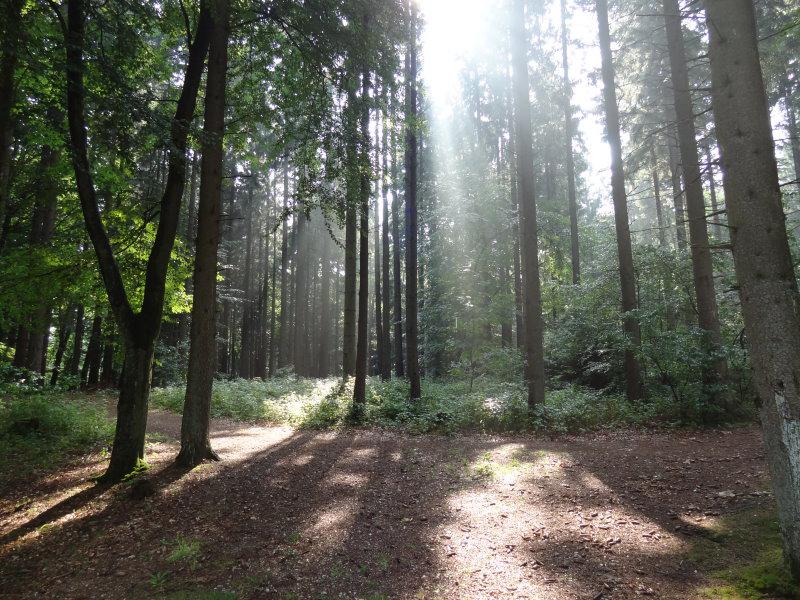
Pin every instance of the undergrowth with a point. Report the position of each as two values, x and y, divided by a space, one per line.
446 406
38 429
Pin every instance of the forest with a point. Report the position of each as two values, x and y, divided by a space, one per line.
419 299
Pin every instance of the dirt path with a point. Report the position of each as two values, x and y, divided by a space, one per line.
370 514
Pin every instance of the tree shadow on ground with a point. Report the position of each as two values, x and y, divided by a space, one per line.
372 514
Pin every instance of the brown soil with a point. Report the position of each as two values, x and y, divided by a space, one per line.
372 514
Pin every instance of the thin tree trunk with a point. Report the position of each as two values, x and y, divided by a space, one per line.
77 344
379 338
712 187
362 346
568 134
195 443
283 340
532 295
764 268
386 371
702 267
65 328
324 361
350 232
633 386
677 190
301 293
93 353
8 63
399 357
272 345
246 357
412 351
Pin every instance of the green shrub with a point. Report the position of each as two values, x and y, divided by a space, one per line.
39 429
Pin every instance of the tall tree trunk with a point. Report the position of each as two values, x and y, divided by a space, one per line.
107 378
532 294
350 233
399 356
379 336
764 268
246 356
702 267
633 386
412 351
301 294
283 340
362 346
273 294
11 26
386 372
139 330
568 134
324 361
662 230
195 444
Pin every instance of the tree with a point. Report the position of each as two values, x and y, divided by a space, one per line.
702 267
195 444
412 327
568 136
531 285
763 262
139 329
633 385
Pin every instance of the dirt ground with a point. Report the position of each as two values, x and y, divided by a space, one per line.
373 515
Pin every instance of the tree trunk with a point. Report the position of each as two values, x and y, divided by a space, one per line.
381 351
283 340
764 269
246 356
324 360
702 267
677 190
301 294
12 19
77 344
362 347
350 232
386 372
399 357
65 327
195 443
532 294
412 356
633 386
272 345
712 187
568 133
91 363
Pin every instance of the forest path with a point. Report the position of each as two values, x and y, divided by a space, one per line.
374 514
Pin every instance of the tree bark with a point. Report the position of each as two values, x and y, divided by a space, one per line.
412 351
764 269
195 443
399 357
283 340
365 171
633 386
712 188
65 328
386 372
350 233
702 267
77 343
91 363
568 134
12 24
531 285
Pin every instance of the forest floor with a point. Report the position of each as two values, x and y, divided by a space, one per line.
373 514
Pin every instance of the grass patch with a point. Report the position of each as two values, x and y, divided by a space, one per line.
184 550
742 555
40 430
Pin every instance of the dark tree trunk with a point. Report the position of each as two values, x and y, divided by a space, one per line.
386 371
283 342
246 356
764 268
301 294
12 19
412 351
702 268
381 351
677 190
107 375
532 295
362 346
65 327
324 360
399 357
77 344
633 386
195 443
91 363
350 232
568 133
139 330
273 294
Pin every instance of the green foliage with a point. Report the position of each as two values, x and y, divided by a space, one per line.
38 430
184 550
